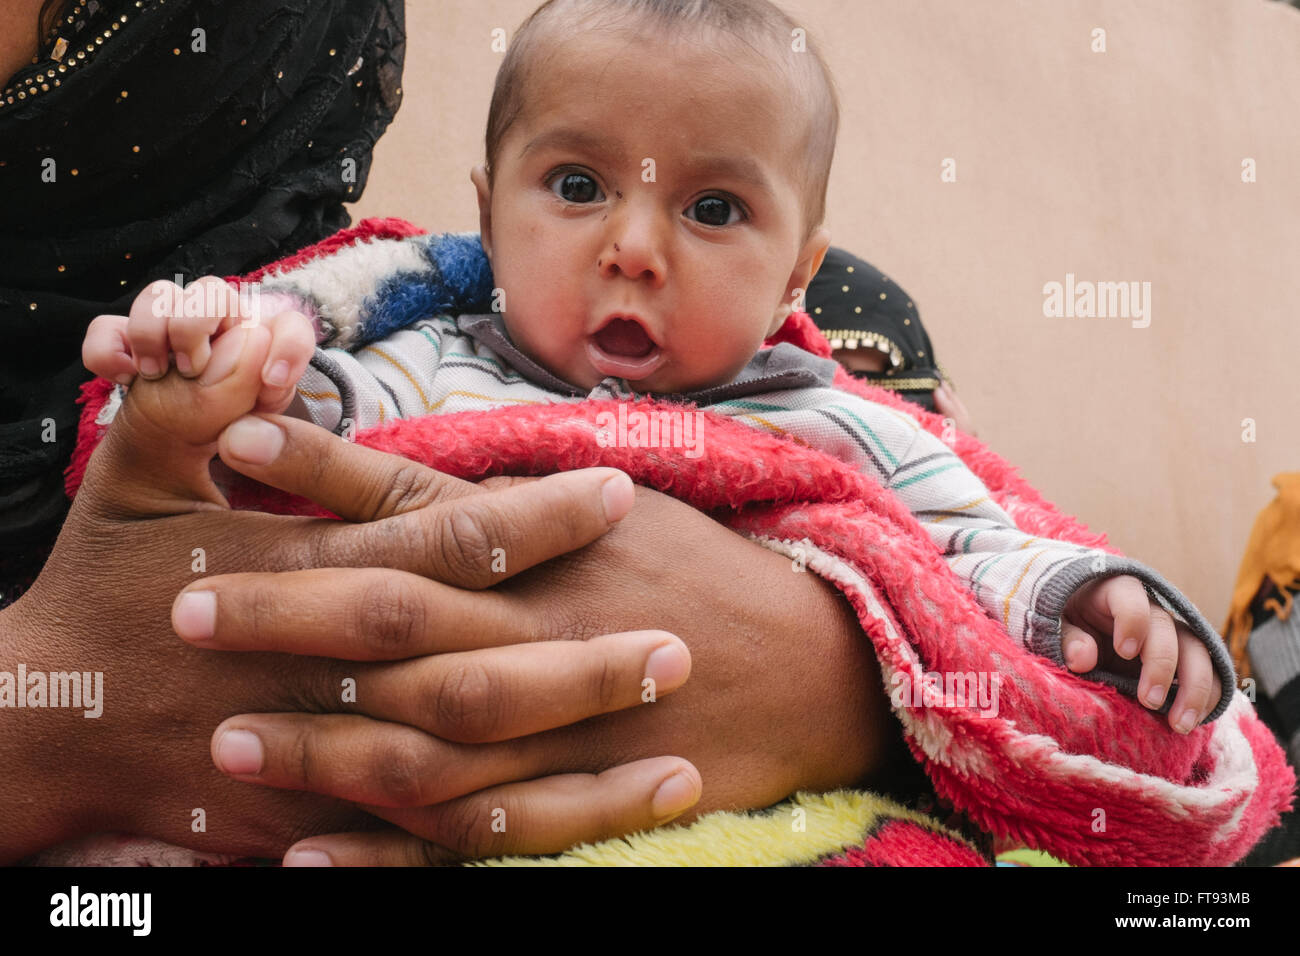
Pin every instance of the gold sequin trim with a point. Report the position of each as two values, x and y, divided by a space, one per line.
853 338
910 384
39 82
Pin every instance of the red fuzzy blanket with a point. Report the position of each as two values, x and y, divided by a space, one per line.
1064 765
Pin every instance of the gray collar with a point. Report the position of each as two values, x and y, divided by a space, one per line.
784 366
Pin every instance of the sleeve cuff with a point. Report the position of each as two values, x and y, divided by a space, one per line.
1045 636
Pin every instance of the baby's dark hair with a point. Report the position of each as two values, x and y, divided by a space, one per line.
758 24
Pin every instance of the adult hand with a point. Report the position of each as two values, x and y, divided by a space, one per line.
103 601
785 691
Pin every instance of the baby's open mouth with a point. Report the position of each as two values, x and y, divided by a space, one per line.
622 348
625 338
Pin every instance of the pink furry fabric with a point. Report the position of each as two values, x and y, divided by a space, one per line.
1065 765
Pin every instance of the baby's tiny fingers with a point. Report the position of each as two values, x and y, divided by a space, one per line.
146 329
1159 659
106 351
293 340
1078 647
1197 684
190 331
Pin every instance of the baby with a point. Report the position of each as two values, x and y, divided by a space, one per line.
652 205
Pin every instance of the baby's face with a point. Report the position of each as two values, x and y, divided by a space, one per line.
645 220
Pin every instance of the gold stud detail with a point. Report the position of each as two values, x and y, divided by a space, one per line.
74 172
844 288
818 310
127 256
63 268
857 309
176 51
882 296
850 269
32 307
135 149
907 321
333 51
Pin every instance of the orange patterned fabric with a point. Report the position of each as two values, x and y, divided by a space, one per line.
1272 555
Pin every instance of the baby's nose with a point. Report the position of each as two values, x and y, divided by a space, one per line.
634 243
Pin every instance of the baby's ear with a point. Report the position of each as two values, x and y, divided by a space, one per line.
479 177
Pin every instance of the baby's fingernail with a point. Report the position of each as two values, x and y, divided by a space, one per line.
195 616
1072 651
675 795
183 363
149 367
306 857
278 374
1129 648
668 666
239 752
1156 696
254 440
1186 722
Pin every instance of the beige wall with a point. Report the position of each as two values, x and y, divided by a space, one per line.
1123 165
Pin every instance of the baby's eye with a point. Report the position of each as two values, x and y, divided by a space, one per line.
715 210
577 188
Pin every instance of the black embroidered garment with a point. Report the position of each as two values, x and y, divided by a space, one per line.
169 137
857 306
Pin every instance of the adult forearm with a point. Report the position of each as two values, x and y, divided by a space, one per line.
36 798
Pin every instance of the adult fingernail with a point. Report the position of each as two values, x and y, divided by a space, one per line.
254 440
1128 648
1156 695
675 795
239 752
149 367
225 356
183 363
1186 722
307 858
195 616
278 374
617 494
668 666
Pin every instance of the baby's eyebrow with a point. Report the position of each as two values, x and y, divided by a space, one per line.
566 138
740 168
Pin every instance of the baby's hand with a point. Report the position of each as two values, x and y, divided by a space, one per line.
167 321
1117 613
